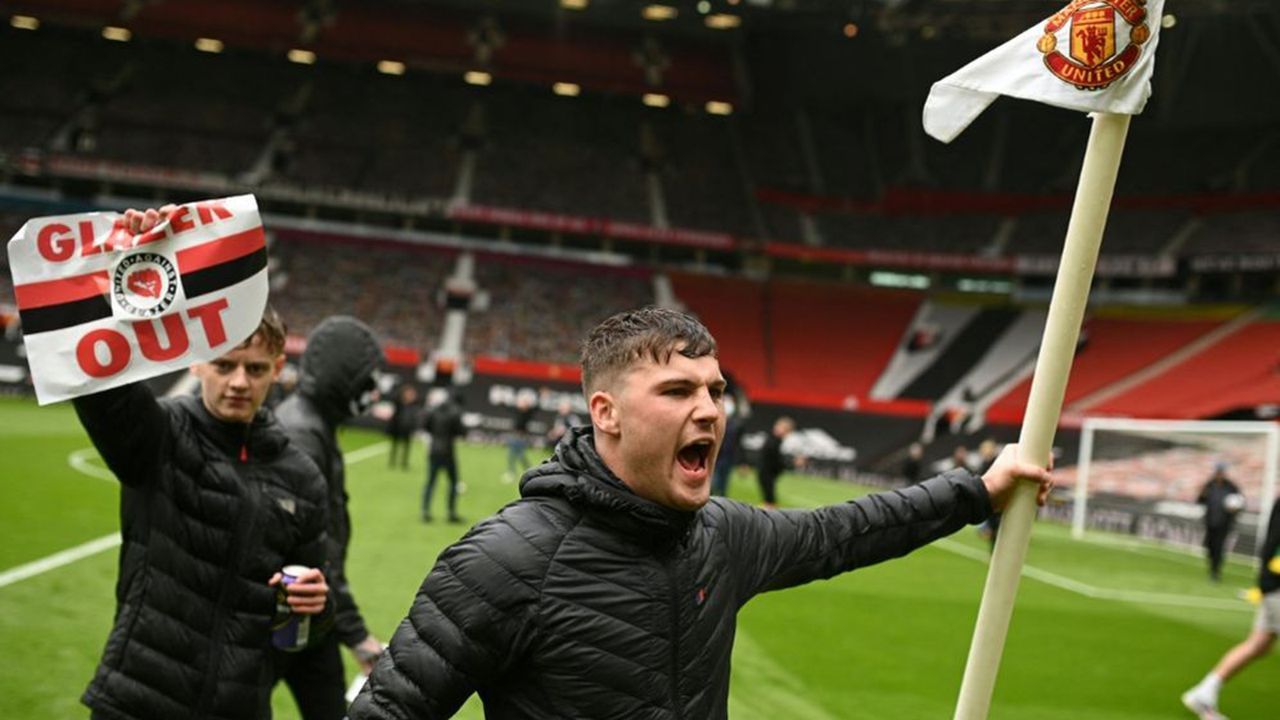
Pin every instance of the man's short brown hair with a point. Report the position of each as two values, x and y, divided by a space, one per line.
271 329
654 332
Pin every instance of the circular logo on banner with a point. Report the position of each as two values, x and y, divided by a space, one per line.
144 284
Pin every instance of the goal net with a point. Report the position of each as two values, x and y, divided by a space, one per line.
1143 477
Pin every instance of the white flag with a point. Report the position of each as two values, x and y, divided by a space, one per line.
101 307
1092 56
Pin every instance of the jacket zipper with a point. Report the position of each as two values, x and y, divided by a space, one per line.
675 638
240 543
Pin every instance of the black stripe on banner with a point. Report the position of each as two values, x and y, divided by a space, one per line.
215 278
64 315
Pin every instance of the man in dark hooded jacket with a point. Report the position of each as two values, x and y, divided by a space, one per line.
337 381
611 588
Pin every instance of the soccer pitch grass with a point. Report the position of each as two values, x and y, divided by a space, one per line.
1108 629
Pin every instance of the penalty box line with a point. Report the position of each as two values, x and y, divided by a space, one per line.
79 461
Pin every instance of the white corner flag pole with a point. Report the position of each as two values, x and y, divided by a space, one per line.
1049 384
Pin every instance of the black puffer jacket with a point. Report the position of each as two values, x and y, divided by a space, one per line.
209 511
337 367
583 600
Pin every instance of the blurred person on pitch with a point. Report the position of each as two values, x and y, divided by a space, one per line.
772 462
562 423
214 501
988 450
1222 501
913 464
611 588
443 424
337 381
404 420
1203 698
733 425
518 440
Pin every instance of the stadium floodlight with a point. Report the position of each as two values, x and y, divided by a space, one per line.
117 34
719 107
24 22
658 13
302 57
1167 461
566 89
477 77
656 100
723 21
209 45
390 67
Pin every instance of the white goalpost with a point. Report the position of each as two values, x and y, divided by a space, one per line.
1179 458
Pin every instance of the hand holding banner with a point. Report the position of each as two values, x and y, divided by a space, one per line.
101 307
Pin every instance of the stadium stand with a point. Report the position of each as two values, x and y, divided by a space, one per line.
702 173
834 338
734 310
534 157
540 309
1257 231
934 328
1232 373
393 287
407 137
1110 353
778 336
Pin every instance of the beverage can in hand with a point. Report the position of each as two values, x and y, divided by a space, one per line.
290 631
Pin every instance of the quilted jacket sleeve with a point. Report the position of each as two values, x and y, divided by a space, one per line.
129 429
775 550
468 625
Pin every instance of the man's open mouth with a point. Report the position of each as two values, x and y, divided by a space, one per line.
693 457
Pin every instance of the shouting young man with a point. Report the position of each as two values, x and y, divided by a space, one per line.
611 588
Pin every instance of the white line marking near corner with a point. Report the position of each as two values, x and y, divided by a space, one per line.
1100 593
79 461
58 559
366 452
1085 589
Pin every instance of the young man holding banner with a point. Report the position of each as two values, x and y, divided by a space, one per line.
214 502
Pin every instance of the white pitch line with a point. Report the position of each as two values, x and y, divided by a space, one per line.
1100 593
1085 589
79 461
58 559
366 452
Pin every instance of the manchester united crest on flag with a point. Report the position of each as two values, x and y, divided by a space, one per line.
1103 41
1092 56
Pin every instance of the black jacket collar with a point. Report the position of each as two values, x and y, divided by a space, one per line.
261 438
578 474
